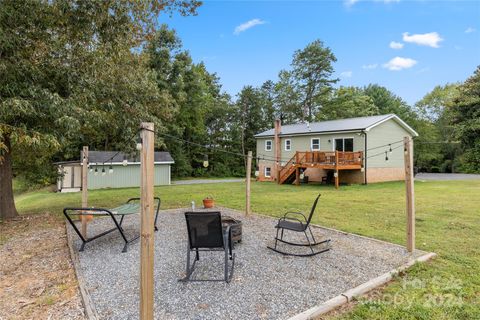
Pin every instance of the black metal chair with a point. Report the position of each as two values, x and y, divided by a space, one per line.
206 233
300 223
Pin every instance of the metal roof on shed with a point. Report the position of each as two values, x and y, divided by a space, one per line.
351 124
106 156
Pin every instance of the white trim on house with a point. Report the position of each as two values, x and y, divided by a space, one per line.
289 144
271 145
265 172
311 133
169 175
343 138
400 122
311 144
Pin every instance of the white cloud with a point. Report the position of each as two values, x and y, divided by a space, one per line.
399 63
346 74
396 45
470 30
350 3
427 39
370 66
247 25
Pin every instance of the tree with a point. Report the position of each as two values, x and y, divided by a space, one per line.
250 105
434 124
286 99
434 105
466 121
60 76
347 102
311 70
387 102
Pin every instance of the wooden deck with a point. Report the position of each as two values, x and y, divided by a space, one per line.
328 160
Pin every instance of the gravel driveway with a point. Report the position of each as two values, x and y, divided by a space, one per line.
447 176
265 285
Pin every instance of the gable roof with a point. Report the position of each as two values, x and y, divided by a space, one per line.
106 156
351 124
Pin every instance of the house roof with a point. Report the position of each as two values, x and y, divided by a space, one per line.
351 124
106 156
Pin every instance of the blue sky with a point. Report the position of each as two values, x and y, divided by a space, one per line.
406 46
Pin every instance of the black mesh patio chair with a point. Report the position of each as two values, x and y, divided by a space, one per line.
132 206
205 233
298 222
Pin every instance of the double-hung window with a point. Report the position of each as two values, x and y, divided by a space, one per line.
268 145
288 145
268 172
315 144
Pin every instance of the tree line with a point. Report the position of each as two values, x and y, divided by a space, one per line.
77 73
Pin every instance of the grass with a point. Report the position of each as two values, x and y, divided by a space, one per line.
447 223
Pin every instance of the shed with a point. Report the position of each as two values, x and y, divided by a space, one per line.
111 169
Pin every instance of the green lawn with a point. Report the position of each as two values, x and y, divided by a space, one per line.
448 223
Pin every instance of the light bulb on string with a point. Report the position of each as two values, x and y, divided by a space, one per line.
96 171
110 169
205 161
125 161
103 171
386 155
139 144
390 150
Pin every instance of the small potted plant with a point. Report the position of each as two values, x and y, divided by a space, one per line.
208 202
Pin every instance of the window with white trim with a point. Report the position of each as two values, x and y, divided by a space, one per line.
268 145
288 145
268 172
344 144
315 144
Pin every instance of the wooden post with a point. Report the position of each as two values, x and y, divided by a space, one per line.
408 148
337 175
84 218
297 176
248 182
147 221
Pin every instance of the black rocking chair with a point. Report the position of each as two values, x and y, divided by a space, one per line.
300 224
205 233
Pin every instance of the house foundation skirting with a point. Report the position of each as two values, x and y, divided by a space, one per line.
385 174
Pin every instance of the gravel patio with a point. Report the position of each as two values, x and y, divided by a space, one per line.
265 284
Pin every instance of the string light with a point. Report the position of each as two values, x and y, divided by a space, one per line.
205 161
125 161
386 156
139 144
103 171
96 171
110 169
390 148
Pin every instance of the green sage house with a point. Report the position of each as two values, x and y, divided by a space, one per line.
355 150
121 171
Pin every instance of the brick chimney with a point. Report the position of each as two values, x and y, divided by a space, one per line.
278 149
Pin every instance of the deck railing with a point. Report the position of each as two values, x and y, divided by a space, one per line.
329 157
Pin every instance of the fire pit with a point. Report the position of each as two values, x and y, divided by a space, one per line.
235 226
